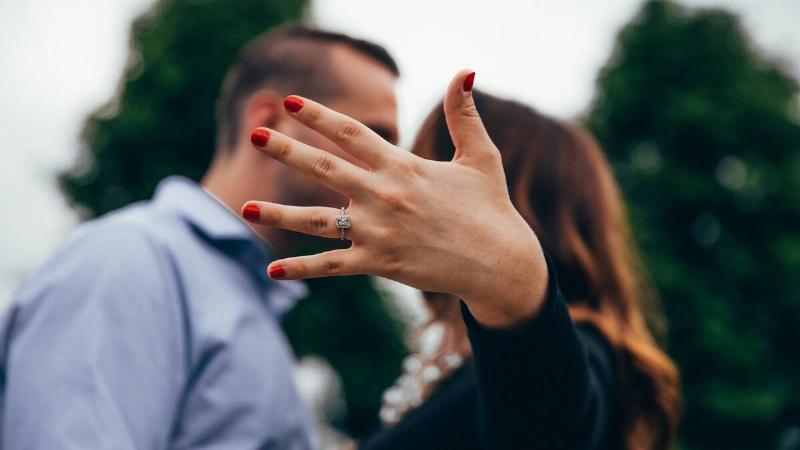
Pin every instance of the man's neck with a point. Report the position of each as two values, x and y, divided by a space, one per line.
234 182
231 181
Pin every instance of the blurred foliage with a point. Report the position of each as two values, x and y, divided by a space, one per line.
161 122
704 135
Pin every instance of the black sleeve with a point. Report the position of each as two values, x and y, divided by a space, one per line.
545 384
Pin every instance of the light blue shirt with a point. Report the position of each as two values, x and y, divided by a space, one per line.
155 328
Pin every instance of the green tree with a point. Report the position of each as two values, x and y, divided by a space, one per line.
703 134
161 122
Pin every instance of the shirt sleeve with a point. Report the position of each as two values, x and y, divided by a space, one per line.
93 353
545 384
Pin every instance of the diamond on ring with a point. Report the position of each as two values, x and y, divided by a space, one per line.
343 222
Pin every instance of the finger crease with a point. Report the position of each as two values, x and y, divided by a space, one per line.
333 266
348 131
319 223
323 167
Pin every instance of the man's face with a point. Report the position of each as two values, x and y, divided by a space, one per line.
367 96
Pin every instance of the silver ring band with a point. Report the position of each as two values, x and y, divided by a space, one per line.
343 223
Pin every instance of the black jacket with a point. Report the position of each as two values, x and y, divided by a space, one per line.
547 384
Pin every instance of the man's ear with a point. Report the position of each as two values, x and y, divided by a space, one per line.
263 109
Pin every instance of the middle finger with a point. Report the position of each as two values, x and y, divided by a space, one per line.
349 134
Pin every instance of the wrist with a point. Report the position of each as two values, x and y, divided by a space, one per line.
514 297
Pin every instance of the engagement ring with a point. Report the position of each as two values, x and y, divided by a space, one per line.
343 222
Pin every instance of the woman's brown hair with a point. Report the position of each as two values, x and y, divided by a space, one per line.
561 183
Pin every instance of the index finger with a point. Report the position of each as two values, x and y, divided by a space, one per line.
324 167
349 134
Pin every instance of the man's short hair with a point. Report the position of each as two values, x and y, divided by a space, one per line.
289 59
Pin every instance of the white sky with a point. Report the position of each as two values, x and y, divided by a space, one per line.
61 59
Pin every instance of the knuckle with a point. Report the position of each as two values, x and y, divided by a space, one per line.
496 155
312 115
394 199
407 169
381 234
493 156
323 166
333 266
300 270
347 131
281 149
469 110
318 223
392 263
491 153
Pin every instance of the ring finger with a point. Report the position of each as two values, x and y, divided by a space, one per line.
313 220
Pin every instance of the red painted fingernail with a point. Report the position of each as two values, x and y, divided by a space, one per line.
293 103
251 212
259 137
468 82
276 272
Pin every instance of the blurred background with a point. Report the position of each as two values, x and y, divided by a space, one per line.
695 102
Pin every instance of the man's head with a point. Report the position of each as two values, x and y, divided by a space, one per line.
352 76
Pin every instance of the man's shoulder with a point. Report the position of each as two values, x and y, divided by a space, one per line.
142 219
124 246
122 235
112 272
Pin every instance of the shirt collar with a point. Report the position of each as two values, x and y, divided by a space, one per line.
223 229
204 212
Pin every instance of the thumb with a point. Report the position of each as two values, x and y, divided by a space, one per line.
463 122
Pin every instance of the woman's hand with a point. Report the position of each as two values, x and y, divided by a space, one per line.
438 226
